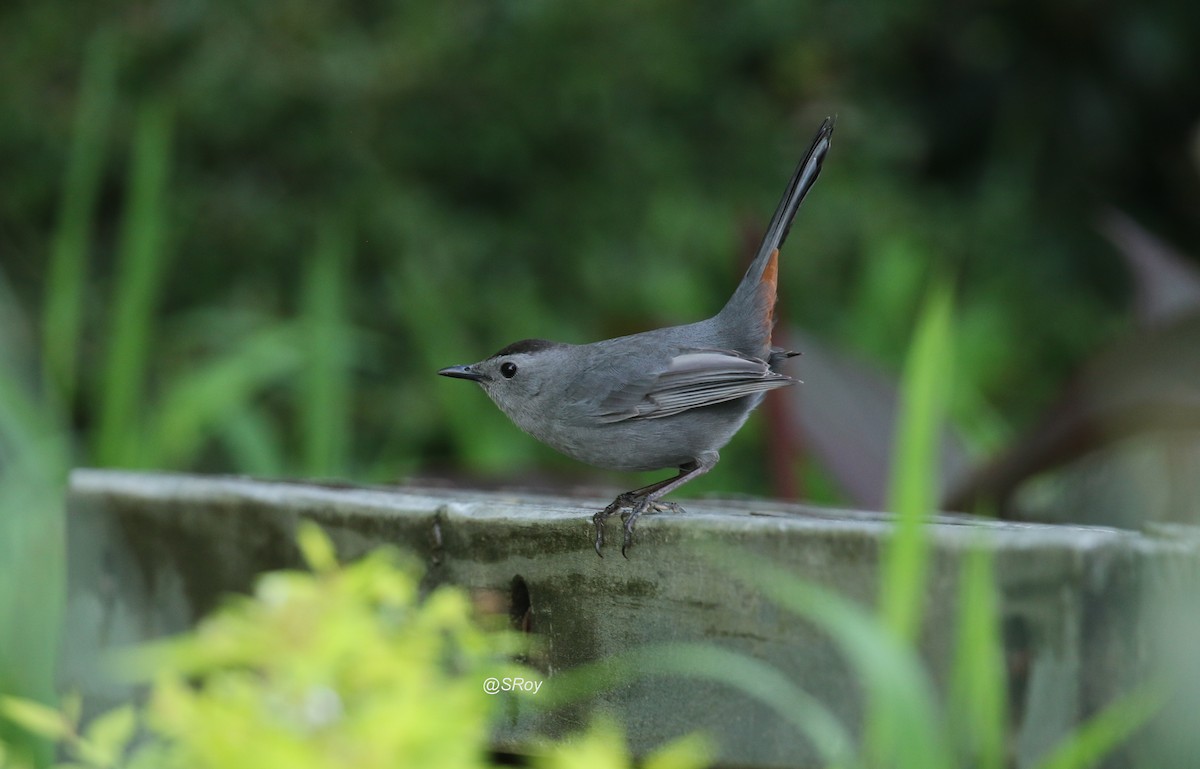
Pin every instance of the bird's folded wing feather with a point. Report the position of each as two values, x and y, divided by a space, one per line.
693 379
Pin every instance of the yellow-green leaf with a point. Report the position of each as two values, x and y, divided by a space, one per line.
601 747
71 705
316 547
109 734
692 751
35 717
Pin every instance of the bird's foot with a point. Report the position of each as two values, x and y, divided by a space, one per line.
633 505
624 501
630 518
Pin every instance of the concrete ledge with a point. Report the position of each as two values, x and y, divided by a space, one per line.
149 553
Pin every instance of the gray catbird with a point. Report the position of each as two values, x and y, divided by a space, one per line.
671 397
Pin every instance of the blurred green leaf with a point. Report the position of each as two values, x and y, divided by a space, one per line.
914 485
108 736
325 395
64 302
897 686
36 717
316 547
141 261
887 294
601 747
34 456
1101 734
977 709
766 684
913 496
252 440
692 751
711 663
198 403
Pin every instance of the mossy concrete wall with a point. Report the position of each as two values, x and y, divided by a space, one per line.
150 553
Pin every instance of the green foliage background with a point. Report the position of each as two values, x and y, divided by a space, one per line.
425 182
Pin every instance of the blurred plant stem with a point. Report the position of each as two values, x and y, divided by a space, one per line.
64 296
924 393
141 260
324 401
34 444
977 708
34 456
923 397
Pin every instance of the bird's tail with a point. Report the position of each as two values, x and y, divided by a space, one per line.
754 301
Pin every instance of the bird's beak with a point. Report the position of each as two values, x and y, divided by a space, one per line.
463 372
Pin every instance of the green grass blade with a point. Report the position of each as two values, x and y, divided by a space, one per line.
34 454
325 394
914 485
1090 743
140 262
196 405
756 679
763 682
912 498
23 418
66 279
894 680
32 568
978 702
253 443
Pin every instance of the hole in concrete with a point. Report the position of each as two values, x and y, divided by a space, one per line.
520 607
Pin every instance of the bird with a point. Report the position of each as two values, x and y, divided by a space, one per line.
666 398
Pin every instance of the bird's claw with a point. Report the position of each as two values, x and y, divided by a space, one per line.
632 507
598 521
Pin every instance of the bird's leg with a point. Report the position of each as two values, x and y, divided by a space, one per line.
646 498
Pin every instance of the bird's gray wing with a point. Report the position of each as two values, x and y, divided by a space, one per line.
691 379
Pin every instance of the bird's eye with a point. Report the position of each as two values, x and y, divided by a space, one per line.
508 369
